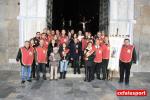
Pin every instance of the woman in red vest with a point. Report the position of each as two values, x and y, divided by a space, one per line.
63 38
97 60
84 43
105 56
127 57
25 56
41 59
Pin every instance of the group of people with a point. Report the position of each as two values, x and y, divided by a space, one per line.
57 49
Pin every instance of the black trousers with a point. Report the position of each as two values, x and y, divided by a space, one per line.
82 61
96 69
105 66
33 69
76 66
124 71
43 67
88 71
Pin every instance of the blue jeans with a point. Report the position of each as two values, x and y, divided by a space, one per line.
63 65
25 73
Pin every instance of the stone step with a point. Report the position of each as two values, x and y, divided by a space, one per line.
69 75
17 67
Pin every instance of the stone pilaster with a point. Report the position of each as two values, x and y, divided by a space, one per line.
32 18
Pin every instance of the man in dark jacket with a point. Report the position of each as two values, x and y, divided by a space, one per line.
25 56
75 53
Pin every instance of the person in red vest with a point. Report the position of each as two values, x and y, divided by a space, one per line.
127 57
84 43
25 56
46 40
98 60
50 34
63 38
102 35
105 56
41 59
33 45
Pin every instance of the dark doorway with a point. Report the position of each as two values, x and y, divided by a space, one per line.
69 14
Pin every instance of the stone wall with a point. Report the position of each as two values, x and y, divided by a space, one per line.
142 34
9 35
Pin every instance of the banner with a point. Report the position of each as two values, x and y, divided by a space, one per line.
115 49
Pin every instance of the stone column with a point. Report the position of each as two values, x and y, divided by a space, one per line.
32 18
122 17
49 13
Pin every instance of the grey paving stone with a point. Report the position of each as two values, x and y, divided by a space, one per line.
68 89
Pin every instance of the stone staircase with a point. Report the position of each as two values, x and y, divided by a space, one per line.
70 72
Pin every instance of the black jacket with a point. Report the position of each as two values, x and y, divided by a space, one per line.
90 60
36 42
50 49
73 47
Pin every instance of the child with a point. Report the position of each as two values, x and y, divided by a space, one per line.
54 61
64 53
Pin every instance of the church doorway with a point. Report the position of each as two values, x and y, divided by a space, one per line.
85 15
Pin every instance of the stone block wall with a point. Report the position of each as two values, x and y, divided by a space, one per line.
9 34
142 34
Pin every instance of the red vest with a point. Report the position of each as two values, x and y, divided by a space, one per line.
98 56
63 40
102 37
41 54
46 43
126 53
50 37
84 44
27 56
106 51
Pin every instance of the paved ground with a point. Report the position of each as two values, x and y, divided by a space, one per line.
69 89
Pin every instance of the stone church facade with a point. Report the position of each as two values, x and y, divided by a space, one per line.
20 19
